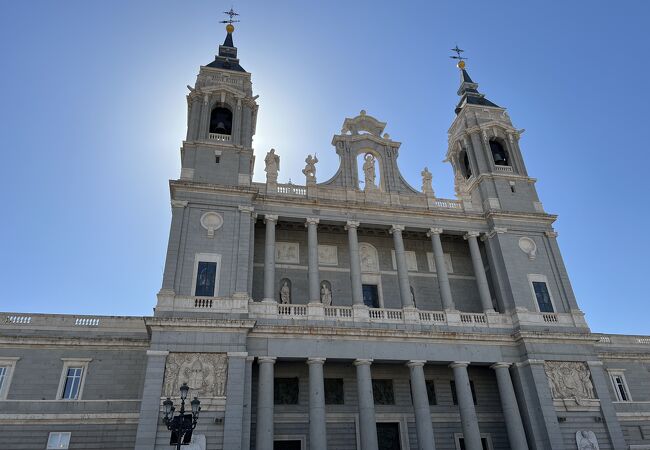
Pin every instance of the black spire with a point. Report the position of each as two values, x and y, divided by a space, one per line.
468 92
227 57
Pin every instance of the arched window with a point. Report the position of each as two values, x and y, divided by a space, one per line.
221 121
465 167
499 154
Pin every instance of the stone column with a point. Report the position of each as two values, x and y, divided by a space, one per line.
145 437
468 417
514 425
317 422
243 251
264 440
402 268
355 265
235 393
312 244
479 271
441 269
248 394
421 406
367 424
269 258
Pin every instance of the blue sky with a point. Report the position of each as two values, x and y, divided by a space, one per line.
93 110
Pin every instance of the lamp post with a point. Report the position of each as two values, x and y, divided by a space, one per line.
181 425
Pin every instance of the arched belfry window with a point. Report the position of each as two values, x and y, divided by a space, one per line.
465 167
499 154
221 121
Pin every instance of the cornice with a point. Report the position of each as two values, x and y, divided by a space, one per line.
183 323
55 341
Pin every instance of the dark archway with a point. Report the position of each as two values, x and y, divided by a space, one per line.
221 121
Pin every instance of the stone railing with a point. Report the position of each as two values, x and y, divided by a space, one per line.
503 169
292 189
292 310
473 319
623 340
386 315
20 320
338 312
219 137
60 321
86 322
446 203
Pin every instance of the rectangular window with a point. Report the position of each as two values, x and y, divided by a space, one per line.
205 279
72 383
58 440
286 391
334 391
620 386
7 365
484 443
454 398
370 295
3 376
388 436
382 392
543 296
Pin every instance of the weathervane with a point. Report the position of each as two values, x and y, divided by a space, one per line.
461 59
231 14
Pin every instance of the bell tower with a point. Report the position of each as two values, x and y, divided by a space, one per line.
484 151
222 114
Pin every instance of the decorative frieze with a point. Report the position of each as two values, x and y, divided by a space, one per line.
570 380
204 373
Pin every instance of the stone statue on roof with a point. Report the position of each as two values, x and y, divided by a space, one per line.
427 178
310 168
272 162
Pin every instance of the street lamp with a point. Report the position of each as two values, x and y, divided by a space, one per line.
181 425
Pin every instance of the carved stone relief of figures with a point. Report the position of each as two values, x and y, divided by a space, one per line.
427 186
310 168
204 373
285 291
369 172
569 380
287 252
326 293
586 440
328 255
272 166
368 257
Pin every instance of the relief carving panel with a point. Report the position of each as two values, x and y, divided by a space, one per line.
328 255
204 373
287 252
570 380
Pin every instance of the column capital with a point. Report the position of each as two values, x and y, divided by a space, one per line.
266 359
471 234
500 365
352 224
416 363
362 362
551 234
434 230
493 232
312 221
246 209
320 361
179 203
459 364
270 217
394 228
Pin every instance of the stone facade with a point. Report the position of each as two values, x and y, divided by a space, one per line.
346 314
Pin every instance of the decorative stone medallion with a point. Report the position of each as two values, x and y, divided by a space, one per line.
528 246
570 380
211 221
204 373
287 252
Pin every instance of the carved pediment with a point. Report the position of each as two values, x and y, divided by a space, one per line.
363 123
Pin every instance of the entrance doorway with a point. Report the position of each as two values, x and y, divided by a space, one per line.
370 295
388 436
287 445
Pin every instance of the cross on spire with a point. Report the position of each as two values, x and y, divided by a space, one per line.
458 52
231 14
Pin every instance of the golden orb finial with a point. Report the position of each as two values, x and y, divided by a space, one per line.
461 65
230 28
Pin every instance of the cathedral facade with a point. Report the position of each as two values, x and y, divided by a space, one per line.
357 312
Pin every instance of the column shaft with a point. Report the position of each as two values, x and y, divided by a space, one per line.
479 272
312 244
317 419
367 424
402 268
264 440
514 425
145 438
441 270
471 432
243 252
269 259
355 263
421 406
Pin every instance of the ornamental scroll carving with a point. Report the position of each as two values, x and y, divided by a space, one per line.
570 380
204 373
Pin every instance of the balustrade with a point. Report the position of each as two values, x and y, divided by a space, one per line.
219 137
